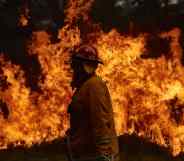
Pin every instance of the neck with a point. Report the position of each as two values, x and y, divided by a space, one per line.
80 79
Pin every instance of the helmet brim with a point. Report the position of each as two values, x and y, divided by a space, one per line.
99 61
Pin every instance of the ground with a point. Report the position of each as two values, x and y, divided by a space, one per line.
132 149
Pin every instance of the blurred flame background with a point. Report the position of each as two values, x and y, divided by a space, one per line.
147 93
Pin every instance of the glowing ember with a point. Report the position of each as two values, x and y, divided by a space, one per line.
146 93
23 21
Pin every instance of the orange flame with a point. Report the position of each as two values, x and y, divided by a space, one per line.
142 89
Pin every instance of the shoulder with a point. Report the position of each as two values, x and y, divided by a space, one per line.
95 81
96 84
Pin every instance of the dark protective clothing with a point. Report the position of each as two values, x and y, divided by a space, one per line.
92 131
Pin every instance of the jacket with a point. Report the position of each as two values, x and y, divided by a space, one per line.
92 130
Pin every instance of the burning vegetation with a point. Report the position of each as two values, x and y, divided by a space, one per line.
143 69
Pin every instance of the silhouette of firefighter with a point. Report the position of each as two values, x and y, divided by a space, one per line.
92 133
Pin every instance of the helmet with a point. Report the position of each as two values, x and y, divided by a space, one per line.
87 53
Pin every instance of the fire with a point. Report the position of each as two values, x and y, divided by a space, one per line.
23 21
33 117
24 16
146 93
142 89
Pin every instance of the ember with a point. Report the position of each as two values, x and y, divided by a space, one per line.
147 91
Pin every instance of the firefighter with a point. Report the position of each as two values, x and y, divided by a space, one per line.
92 135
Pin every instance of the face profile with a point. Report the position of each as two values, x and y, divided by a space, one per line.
84 63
